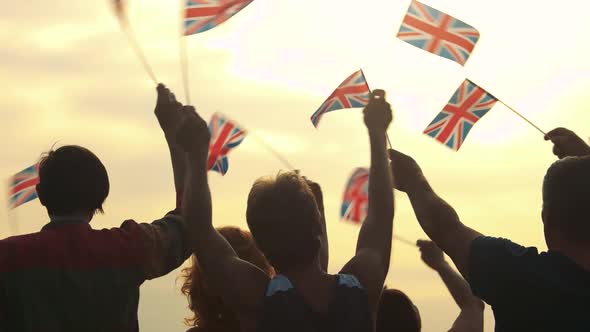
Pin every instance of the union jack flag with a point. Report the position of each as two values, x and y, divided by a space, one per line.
469 104
203 15
353 92
22 187
438 33
356 197
225 135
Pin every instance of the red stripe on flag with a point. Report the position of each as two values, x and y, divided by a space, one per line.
23 185
201 12
439 33
217 148
461 112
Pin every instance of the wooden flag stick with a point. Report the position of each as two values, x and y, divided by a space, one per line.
404 241
183 50
523 117
119 6
184 68
386 134
13 221
139 52
273 152
512 109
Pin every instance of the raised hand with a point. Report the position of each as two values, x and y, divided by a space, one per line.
168 112
193 134
406 172
378 114
567 143
431 254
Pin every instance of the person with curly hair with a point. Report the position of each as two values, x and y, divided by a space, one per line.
209 311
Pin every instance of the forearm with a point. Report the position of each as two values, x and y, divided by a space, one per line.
442 225
179 167
458 287
197 207
436 217
377 230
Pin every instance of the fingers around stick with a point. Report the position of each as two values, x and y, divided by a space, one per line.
558 132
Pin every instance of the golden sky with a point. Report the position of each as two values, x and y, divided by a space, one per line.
69 76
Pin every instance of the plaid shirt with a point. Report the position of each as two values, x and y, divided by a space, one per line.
70 277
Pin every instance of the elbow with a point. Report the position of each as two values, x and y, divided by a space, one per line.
474 304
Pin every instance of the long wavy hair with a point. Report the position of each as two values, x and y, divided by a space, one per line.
209 311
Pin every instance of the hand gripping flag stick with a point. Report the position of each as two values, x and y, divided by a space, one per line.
121 14
386 134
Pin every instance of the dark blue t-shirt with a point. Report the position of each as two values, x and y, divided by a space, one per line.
285 309
529 291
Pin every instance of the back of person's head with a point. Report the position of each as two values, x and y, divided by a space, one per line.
284 219
566 199
72 180
397 313
210 313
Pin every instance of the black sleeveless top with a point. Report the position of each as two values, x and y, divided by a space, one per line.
285 310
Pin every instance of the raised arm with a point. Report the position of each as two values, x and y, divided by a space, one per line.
471 317
371 262
437 218
240 284
168 112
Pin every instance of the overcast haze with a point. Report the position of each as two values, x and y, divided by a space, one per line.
69 76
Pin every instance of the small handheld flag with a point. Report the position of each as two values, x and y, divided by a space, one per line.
204 15
225 135
22 187
469 104
352 93
438 33
356 197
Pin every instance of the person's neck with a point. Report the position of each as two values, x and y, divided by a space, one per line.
73 217
579 253
308 274
314 284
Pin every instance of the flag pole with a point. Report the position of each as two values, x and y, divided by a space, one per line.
513 110
404 241
183 53
273 152
13 217
386 134
523 117
132 39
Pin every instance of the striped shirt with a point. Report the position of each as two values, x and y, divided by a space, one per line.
70 277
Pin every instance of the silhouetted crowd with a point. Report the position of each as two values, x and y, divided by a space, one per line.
70 277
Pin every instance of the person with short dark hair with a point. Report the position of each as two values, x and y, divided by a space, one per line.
70 277
397 313
528 290
285 221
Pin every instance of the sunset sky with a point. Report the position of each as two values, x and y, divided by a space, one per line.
69 76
